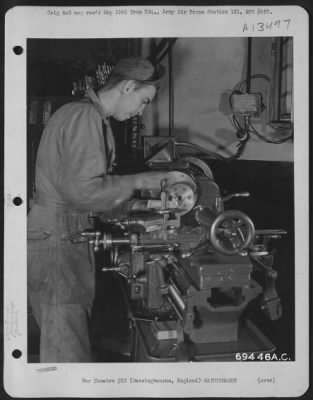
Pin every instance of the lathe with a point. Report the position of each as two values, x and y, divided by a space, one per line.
192 268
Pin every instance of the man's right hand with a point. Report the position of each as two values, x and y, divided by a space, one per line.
150 180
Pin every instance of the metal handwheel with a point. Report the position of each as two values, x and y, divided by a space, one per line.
232 232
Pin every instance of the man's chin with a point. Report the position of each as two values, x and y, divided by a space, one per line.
121 118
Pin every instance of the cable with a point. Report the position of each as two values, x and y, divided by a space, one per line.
236 123
244 82
241 147
171 90
171 43
265 139
249 62
160 47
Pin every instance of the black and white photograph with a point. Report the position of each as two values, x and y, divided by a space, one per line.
161 199
191 250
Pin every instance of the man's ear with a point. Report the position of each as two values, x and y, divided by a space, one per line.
127 86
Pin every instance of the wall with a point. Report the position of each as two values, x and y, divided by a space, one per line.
205 71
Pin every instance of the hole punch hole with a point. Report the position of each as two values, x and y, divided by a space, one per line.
17 201
18 50
17 353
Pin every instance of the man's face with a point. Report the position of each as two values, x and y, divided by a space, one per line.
133 101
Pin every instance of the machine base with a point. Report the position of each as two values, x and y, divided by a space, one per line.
148 349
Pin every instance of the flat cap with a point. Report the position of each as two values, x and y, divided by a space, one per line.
139 69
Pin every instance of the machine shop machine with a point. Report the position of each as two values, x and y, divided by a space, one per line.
190 267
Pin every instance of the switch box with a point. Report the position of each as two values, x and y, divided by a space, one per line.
247 104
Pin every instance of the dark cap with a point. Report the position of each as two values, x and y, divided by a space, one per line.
139 69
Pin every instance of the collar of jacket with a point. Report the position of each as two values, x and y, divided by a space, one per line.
91 95
109 137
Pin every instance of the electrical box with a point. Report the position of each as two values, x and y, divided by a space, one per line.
247 104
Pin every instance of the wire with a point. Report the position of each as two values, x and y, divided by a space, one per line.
170 89
160 47
241 147
244 82
249 64
171 43
265 139
237 124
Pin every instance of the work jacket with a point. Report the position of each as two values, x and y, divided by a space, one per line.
73 162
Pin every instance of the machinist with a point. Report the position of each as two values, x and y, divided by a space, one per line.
73 178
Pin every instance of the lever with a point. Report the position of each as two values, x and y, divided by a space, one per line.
163 194
94 239
232 195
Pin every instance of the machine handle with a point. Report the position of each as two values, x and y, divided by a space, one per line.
232 195
232 232
105 239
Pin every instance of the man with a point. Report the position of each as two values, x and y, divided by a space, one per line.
73 162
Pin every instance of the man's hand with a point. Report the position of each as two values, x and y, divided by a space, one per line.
150 180
137 205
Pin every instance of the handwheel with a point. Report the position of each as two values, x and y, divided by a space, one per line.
232 232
